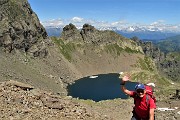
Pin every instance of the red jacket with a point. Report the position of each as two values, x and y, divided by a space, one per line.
142 105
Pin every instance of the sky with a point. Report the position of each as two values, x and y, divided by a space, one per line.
107 12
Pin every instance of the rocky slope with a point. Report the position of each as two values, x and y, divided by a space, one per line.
21 29
167 64
21 101
170 66
150 50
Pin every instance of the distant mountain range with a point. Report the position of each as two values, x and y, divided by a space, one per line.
53 31
143 33
170 44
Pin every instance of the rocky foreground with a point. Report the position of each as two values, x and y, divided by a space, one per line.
21 101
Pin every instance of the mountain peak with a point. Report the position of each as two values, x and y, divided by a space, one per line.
69 27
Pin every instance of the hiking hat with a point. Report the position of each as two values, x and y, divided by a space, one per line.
140 86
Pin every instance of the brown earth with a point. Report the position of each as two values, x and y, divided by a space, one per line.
22 101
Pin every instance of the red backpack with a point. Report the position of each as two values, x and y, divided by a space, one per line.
149 92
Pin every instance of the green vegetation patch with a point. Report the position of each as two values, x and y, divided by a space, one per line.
148 72
129 50
113 49
171 44
146 64
117 50
65 48
173 56
147 77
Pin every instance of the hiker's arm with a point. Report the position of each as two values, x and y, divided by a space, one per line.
151 114
123 88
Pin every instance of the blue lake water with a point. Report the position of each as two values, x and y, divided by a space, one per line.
104 87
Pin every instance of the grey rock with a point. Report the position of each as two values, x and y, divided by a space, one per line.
90 35
71 33
21 29
168 65
150 50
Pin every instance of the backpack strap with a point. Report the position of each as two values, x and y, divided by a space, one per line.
147 99
135 97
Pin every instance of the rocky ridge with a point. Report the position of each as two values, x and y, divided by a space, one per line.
150 50
21 29
167 64
170 66
89 34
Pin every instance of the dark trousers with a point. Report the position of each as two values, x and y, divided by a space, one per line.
135 117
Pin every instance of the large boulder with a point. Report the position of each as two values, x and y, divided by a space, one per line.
21 29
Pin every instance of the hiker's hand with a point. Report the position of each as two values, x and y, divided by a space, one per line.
125 78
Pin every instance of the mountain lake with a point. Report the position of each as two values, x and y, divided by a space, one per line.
99 87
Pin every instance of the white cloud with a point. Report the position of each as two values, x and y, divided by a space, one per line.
159 22
121 24
77 19
161 25
54 22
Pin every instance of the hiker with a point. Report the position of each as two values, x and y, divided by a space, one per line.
144 104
